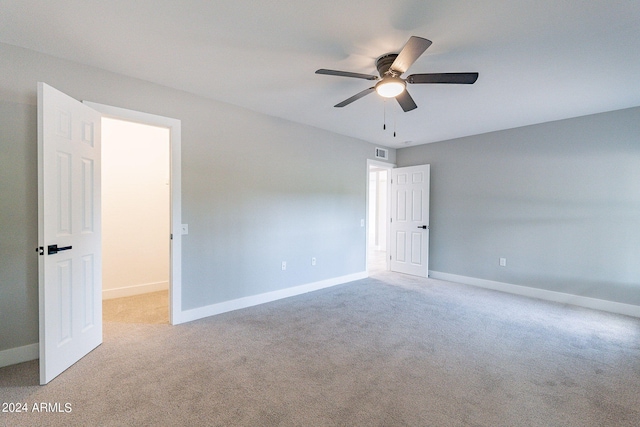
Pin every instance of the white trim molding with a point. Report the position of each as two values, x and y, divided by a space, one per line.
250 301
13 356
587 302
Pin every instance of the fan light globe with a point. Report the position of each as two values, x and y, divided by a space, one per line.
390 87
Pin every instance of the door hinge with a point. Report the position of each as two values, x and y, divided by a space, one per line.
40 250
171 236
390 219
390 257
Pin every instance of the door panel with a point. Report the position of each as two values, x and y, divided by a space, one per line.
416 248
401 239
69 217
401 205
410 213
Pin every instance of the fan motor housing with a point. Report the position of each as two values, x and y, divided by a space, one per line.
384 63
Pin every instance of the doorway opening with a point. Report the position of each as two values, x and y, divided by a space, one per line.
378 185
167 182
135 221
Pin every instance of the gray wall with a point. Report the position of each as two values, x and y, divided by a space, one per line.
256 190
559 200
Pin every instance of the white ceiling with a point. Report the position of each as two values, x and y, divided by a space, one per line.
538 60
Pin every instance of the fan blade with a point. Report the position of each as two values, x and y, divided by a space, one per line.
406 101
355 97
457 78
409 53
346 74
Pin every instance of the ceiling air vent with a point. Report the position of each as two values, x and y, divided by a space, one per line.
381 153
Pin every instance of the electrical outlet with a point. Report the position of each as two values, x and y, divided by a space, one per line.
503 262
313 261
284 265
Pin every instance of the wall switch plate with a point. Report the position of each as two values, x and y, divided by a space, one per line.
313 261
284 265
362 223
503 262
185 228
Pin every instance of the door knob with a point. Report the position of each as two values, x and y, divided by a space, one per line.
424 227
54 249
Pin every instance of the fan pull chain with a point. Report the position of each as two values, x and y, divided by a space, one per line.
384 115
394 124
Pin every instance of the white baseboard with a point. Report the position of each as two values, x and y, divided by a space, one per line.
236 304
16 355
597 304
129 291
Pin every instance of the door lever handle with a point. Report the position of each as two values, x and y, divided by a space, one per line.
424 227
54 249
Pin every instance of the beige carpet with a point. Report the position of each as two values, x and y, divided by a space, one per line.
151 308
391 350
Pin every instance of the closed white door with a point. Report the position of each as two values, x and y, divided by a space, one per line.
410 220
69 234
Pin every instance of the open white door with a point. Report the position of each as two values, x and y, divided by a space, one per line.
410 220
69 220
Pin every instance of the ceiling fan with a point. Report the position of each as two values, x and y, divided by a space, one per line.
391 67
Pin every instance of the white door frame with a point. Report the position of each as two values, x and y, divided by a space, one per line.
175 262
388 167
